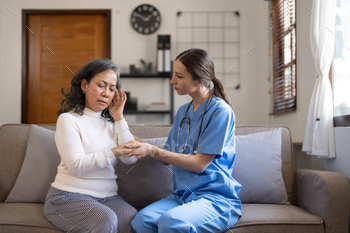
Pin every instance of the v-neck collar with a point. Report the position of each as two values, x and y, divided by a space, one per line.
194 115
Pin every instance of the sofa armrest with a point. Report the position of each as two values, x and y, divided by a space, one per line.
327 195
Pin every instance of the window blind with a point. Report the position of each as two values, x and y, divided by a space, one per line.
284 56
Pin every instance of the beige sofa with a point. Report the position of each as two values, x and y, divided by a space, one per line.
318 200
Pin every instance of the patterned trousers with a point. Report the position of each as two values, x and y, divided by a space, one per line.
75 212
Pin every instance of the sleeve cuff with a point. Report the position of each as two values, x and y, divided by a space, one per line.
109 152
127 160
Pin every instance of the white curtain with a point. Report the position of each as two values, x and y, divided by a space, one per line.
344 5
319 132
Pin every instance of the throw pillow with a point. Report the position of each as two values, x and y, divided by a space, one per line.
258 168
146 181
39 167
160 142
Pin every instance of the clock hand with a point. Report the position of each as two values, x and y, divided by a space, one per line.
148 17
141 17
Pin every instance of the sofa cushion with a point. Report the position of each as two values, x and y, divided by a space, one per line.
24 217
258 168
39 167
258 218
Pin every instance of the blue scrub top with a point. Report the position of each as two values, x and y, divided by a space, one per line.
217 137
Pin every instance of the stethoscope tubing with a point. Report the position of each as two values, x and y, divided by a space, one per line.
188 127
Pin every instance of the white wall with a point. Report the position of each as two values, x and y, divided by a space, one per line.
251 101
128 47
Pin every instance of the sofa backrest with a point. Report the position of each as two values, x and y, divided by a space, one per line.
13 144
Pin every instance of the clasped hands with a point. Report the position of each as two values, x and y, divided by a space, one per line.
138 149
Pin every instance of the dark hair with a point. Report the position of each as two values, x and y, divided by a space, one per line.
74 96
201 66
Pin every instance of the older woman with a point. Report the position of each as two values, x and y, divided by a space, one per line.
83 197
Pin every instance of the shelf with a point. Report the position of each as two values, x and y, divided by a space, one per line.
162 75
191 27
147 112
167 75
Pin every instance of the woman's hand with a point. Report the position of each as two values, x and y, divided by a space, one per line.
121 150
140 149
116 107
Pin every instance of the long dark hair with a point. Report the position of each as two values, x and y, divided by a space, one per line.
74 97
201 66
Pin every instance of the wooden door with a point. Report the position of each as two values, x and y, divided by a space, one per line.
58 45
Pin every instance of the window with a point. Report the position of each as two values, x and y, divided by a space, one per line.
284 55
341 61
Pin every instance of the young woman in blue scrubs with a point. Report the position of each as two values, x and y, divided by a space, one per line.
201 148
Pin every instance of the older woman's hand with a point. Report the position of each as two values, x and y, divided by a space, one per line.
116 107
140 149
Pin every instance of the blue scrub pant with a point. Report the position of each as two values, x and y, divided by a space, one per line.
75 212
206 214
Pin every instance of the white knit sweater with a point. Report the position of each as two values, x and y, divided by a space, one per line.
87 163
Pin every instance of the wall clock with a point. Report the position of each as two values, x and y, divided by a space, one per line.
145 19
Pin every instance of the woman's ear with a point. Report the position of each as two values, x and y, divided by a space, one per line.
83 84
197 82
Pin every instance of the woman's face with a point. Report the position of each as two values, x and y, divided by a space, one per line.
100 91
182 80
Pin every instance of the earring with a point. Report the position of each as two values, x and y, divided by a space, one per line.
83 92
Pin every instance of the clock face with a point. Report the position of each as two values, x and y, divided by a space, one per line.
145 19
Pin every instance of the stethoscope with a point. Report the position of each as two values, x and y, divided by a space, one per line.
188 127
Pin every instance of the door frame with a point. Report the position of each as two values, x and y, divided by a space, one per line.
25 31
